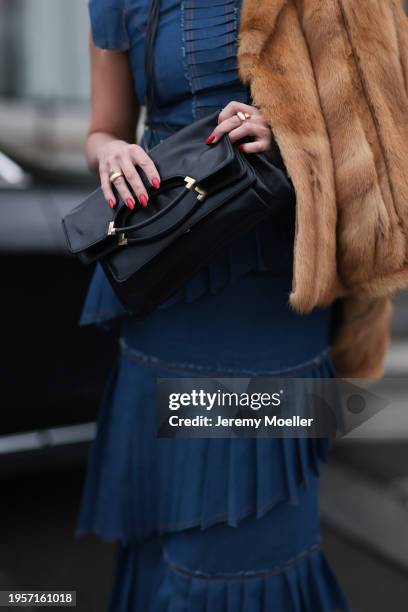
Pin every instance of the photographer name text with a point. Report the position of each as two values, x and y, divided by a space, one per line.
252 422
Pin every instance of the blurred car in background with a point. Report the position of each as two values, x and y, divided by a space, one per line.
52 371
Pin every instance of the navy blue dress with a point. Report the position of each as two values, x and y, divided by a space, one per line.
230 525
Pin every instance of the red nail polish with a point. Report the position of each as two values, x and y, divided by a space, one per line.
241 147
143 200
156 183
111 203
130 203
210 139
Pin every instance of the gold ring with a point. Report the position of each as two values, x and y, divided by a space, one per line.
243 116
115 175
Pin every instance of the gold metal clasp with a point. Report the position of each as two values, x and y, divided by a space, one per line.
191 183
122 240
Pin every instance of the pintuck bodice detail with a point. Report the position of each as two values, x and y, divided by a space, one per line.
209 32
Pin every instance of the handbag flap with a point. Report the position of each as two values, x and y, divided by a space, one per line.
87 224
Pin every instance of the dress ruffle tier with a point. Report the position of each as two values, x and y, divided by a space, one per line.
305 584
139 485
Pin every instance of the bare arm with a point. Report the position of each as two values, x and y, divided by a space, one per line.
111 144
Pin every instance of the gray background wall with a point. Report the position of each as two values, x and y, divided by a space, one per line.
43 46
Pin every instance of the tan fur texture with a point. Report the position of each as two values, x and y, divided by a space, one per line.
358 351
331 77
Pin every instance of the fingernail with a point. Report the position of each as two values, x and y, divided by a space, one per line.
143 200
241 147
111 203
130 203
210 139
156 183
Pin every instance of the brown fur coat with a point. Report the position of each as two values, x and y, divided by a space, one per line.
331 77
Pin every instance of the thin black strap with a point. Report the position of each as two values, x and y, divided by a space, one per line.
151 30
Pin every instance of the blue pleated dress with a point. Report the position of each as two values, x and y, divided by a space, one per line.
227 525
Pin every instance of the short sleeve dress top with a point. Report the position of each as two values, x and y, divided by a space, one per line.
163 498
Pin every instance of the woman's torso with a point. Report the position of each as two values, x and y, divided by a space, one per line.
196 73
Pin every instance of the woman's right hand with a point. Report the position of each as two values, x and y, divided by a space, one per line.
120 156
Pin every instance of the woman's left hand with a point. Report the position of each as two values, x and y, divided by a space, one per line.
242 121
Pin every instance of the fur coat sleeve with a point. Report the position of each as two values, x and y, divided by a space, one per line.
331 77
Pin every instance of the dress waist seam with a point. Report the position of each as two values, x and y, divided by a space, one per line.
153 361
245 575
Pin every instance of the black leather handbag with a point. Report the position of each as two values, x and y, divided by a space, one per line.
209 196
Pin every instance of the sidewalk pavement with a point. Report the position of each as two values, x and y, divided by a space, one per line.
364 495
